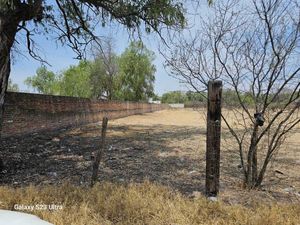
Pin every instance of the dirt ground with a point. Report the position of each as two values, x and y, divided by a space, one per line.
165 147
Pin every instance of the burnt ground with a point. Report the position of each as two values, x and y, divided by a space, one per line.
162 147
54 157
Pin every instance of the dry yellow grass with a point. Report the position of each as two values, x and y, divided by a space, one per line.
144 203
187 127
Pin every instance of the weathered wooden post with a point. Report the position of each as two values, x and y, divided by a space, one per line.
100 152
213 138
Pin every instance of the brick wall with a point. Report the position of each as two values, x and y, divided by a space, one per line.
27 113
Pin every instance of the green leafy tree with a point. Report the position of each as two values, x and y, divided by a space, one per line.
136 73
231 99
44 81
195 99
174 97
196 96
75 81
12 87
156 97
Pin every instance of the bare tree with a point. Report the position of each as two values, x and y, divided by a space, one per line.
104 70
254 48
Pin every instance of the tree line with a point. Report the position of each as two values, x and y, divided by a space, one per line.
127 77
229 96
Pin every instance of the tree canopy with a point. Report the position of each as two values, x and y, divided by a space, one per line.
43 82
136 73
74 22
174 97
129 76
75 81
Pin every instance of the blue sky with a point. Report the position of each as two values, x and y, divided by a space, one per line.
61 57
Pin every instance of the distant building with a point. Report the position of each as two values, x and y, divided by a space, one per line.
154 102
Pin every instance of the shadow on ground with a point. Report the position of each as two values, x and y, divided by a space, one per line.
163 154
169 155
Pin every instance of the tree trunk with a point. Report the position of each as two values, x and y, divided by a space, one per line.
8 30
254 165
251 177
263 169
262 173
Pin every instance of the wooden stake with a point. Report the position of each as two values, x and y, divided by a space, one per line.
213 138
100 152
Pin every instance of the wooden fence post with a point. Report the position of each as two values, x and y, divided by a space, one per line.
100 152
213 138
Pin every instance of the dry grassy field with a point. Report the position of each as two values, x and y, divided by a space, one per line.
152 172
141 204
180 134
